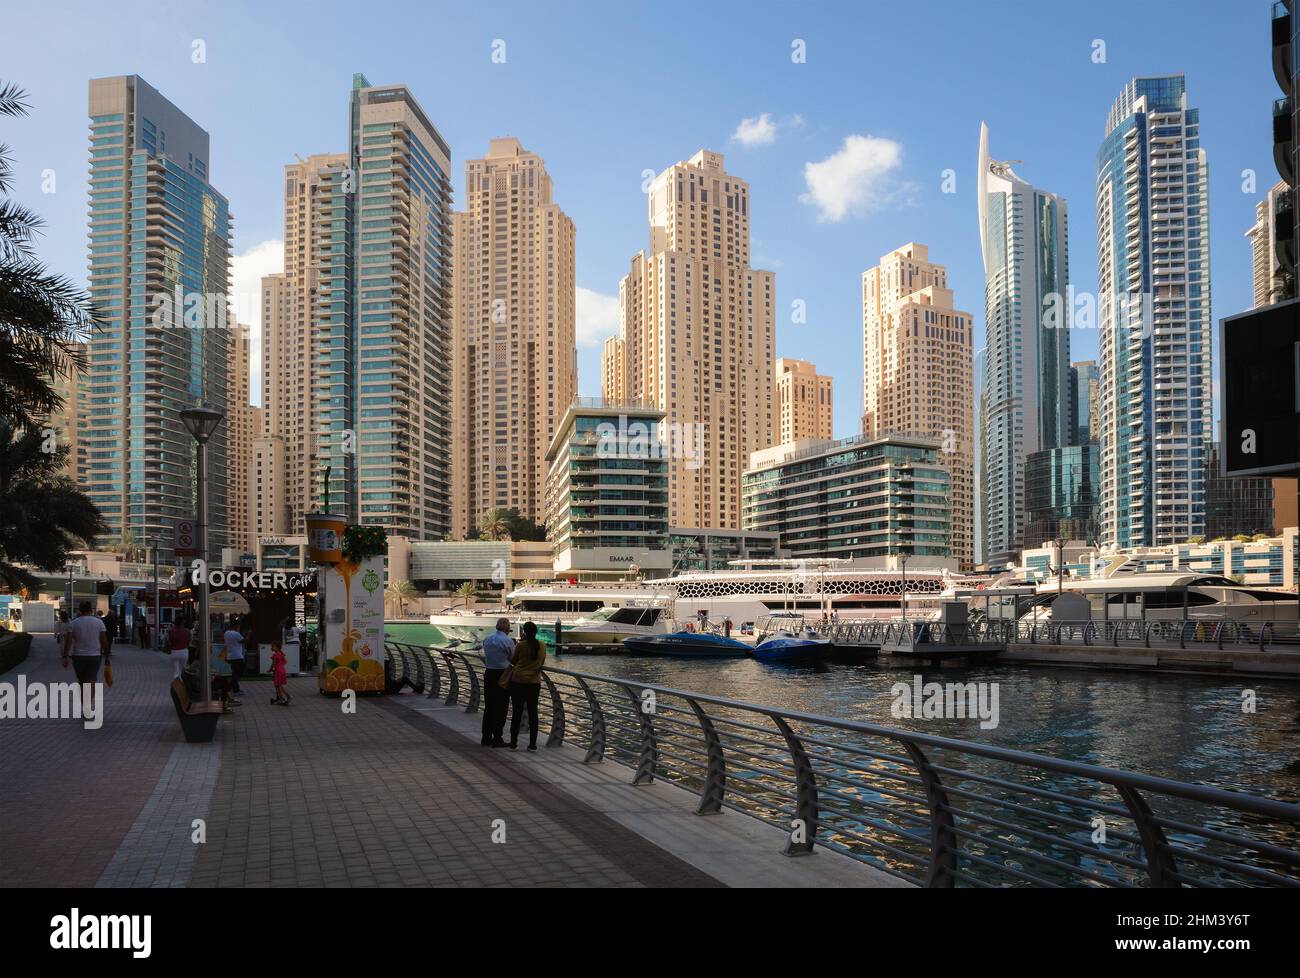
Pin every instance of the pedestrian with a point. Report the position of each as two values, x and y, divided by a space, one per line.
144 627
280 675
234 642
526 684
178 647
87 644
110 624
61 630
497 650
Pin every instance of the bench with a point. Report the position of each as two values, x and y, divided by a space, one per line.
198 720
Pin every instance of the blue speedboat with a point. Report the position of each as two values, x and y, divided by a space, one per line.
787 648
694 645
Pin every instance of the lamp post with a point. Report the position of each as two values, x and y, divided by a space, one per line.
157 598
201 422
902 560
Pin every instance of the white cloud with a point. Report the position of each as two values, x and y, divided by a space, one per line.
758 131
597 316
246 299
855 180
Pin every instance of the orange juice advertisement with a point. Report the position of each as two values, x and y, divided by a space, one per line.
351 599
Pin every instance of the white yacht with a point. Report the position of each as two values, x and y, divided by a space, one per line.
1160 596
611 625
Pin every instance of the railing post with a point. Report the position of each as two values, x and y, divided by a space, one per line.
1160 860
596 749
453 681
435 677
806 809
943 833
472 707
715 778
556 736
418 657
649 753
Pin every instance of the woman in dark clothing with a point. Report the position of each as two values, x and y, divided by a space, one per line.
526 684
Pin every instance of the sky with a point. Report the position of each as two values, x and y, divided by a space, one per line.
866 142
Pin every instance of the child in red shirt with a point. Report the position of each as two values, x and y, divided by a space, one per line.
280 677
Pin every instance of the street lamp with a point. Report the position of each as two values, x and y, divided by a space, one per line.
902 560
201 422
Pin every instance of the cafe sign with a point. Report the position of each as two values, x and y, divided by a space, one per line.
244 580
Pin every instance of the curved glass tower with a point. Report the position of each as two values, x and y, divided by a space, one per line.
1026 361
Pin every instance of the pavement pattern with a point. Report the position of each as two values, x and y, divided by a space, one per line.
399 793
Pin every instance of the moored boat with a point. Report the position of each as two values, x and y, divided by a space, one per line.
695 645
791 648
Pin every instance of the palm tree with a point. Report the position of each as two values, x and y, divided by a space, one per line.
42 316
400 592
494 525
466 590
44 514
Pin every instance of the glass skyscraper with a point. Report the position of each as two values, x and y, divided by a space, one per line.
1153 281
160 248
1024 403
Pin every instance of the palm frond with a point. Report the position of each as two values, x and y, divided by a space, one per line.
13 99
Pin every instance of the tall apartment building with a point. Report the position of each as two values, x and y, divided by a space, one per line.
270 496
160 265
1153 279
514 328
65 421
1085 402
697 337
402 249
917 372
307 343
244 424
804 401
1023 239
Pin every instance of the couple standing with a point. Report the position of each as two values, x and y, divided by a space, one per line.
513 676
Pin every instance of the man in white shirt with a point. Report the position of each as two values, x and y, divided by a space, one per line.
87 644
234 641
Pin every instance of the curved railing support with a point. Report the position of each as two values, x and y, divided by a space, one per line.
453 681
649 752
943 833
596 748
472 706
435 676
715 777
556 736
1161 868
803 827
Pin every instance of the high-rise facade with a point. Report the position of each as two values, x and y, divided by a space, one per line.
1270 280
514 316
308 347
243 423
160 264
804 401
696 338
918 373
402 309
65 421
1153 283
1023 239
1085 402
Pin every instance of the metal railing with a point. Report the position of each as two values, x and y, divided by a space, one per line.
1202 633
931 810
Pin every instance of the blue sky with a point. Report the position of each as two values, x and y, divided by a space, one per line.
606 91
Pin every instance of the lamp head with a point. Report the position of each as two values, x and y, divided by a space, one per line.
201 422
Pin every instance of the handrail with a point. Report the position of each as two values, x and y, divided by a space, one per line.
933 810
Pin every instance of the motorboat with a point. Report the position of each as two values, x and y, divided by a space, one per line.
786 649
689 645
613 625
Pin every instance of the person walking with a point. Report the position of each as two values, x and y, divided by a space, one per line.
144 626
61 630
526 684
87 644
110 624
497 650
281 676
178 647
234 642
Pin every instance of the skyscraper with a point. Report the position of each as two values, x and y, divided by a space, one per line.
514 313
1085 402
804 402
1023 238
1270 280
917 372
401 243
308 346
1153 282
160 249
696 338
244 423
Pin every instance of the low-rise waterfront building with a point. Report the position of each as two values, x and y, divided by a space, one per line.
861 498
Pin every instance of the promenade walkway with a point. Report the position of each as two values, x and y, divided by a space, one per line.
399 794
